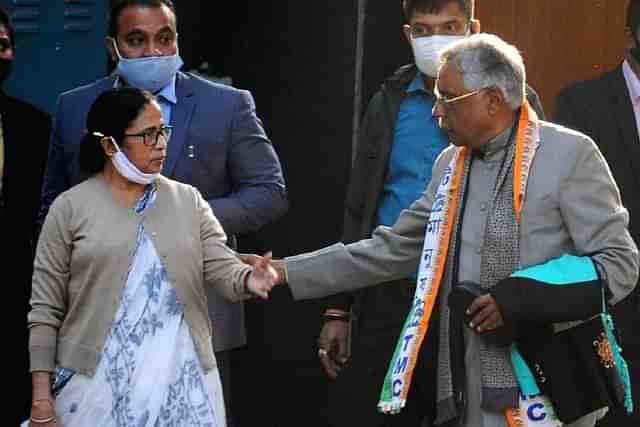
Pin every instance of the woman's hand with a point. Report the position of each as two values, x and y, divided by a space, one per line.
43 413
263 277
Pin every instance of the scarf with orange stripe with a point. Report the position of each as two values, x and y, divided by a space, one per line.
500 258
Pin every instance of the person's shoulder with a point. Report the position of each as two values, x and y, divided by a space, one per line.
563 140
444 158
400 79
393 85
172 184
79 197
26 110
207 87
592 87
178 190
85 189
88 91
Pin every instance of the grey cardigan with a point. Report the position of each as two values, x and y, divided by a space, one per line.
572 206
83 256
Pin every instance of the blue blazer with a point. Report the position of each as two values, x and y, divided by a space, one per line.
218 145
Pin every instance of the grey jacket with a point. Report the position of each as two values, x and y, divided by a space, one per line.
572 206
367 178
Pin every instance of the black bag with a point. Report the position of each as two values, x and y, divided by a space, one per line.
575 368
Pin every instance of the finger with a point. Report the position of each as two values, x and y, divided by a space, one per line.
273 276
265 262
492 322
478 304
327 345
250 259
342 349
263 293
330 366
482 315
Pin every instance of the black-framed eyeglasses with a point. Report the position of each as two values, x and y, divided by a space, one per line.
151 137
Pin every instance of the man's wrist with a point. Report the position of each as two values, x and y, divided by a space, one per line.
281 270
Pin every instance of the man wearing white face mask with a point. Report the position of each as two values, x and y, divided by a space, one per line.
398 144
218 143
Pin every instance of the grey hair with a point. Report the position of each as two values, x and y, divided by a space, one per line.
485 60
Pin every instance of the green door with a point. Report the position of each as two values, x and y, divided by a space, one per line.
59 47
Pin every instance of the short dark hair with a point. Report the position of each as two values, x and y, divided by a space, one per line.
117 6
110 115
410 7
633 15
5 20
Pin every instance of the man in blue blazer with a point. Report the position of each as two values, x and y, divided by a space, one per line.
218 143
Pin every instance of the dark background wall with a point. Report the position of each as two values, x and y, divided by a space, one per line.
58 46
298 60
561 40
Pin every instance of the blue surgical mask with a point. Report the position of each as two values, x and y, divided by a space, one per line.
150 73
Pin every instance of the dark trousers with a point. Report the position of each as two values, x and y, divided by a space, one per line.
354 396
17 277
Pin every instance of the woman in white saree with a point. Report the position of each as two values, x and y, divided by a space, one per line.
119 330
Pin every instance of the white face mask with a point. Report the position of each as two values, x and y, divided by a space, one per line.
127 169
426 52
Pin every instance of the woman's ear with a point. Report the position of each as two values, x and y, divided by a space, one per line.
109 145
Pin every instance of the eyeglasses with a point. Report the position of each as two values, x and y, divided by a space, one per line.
151 137
447 101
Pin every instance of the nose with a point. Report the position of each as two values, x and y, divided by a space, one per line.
152 49
162 143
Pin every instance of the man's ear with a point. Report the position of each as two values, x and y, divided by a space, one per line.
630 41
474 26
109 44
406 29
496 98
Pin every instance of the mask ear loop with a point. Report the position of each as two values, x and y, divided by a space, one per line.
474 26
115 47
108 138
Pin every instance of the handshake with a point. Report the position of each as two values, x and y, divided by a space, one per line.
266 274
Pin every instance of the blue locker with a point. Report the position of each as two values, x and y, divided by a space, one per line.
60 45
